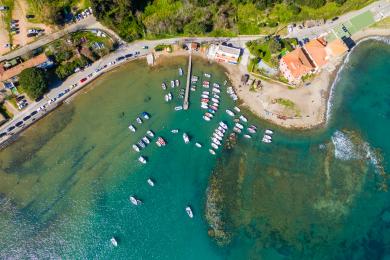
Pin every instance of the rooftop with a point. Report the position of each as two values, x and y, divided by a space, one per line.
336 48
230 50
317 51
297 62
14 71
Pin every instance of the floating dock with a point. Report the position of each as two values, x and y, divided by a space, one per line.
187 93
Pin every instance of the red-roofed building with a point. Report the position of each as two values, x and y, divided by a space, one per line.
317 51
296 64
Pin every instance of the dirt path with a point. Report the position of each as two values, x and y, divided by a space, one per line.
19 14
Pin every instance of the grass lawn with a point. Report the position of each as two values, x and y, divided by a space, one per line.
8 16
385 23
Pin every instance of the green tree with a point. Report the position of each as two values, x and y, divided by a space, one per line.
34 82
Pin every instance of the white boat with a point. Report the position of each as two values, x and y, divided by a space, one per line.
214 146
229 112
189 212
142 160
247 136
267 141
237 109
269 132
166 98
132 128
219 133
146 140
150 182
172 84
150 133
217 136
180 72
206 92
135 147
145 115
205 96
206 118
175 131
135 201
178 108
177 83
163 86
216 141
224 83
237 130
114 242
216 90
212 151
141 144
251 130
186 138
221 129
239 126
216 105
216 96
224 126
207 75
198 145
139 120
243 119
267 137
215 100
216 85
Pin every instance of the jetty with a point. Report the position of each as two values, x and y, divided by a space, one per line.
187 93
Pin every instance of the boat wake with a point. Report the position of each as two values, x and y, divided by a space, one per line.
337 78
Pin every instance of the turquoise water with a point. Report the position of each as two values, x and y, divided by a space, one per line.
65 184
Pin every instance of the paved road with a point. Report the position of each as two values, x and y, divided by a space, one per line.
109 59
380 9
89 22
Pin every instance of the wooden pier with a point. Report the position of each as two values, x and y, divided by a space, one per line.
188 84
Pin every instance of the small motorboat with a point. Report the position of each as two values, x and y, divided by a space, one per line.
160 142
207 75
198 145
269 132
253 126
150 133
166 98
132 128
224 83
135 148
177 83
177 108
139 120
239 126
216 90
215 100
114 242
204 106
172 84
142 160
243 119
267 141
151 182
214 146
217 136
237 130
212 151
216 141
209 114
141 144
145 115
204 100
267 137
163 86
237 109
146 140
247 136
216 85
206 92
189 212
216 96
229 112
135 201
175 131
181 72
216 104
212 111
205 96
186 138
251 130
214 108
224 126
206 118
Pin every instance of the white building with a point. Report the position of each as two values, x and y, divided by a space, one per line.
223 53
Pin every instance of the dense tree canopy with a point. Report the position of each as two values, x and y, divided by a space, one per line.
34 82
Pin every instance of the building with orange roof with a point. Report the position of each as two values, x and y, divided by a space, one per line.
296 64
16 70
336 48
317 52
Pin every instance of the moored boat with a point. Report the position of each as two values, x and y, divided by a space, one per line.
247 136
141 144
251 130
177 83
267 141
142 160
206 118
243 119
139 120
163 86
150 182
174 131
198 145
269 132
267 137
177 108
132 128
135 201
239 126
186 138
223 125
160 141
172 84
114 242
214 146
207 75
216 141
180 72
150 133
229 112
237 109
189 212
212 151
135 148
146 140
145 115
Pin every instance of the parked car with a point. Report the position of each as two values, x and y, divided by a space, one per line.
9 129
30 16
3 134
145 47
26 118
3 7
34 113
129 55
19 124
83 80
